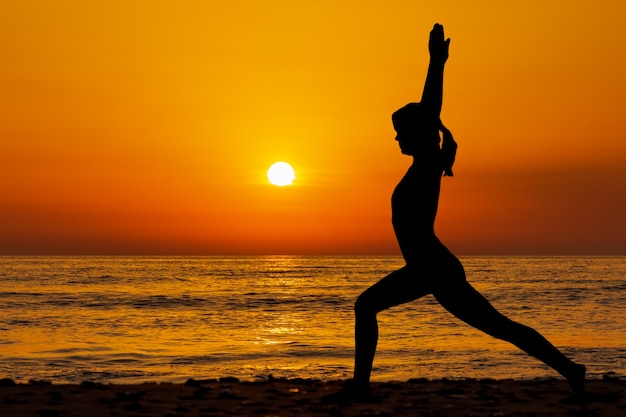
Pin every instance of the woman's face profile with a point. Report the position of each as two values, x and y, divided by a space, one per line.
405 140
413 138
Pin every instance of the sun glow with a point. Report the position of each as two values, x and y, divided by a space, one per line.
281 174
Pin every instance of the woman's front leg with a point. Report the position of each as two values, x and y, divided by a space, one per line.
399 287
365 341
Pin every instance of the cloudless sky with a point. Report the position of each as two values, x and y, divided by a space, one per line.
147 127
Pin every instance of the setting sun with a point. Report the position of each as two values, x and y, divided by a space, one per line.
281 173
156 137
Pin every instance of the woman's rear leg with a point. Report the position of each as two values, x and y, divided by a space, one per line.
463 301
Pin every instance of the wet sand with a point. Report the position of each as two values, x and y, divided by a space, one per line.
303 397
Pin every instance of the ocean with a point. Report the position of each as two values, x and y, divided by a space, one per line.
167 319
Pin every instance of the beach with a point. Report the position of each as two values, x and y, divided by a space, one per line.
230 396
272 336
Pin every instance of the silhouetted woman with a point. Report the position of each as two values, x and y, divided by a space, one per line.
430 267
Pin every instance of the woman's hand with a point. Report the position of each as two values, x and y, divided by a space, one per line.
444 129
437 45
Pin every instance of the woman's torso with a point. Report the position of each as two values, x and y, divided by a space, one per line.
414 208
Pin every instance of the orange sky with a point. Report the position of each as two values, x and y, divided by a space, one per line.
146 127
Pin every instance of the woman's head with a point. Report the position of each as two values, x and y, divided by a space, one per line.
417 131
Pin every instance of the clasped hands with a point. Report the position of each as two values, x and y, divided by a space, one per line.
437 45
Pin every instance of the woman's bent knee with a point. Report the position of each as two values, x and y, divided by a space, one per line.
365 305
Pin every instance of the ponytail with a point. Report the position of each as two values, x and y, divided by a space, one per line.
448 153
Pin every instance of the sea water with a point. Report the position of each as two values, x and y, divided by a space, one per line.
166 319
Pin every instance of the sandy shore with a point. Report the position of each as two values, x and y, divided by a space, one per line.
301 397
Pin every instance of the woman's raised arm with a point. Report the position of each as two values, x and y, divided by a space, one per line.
432 97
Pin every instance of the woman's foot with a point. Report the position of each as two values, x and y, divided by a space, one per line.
350 393
576 379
